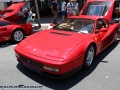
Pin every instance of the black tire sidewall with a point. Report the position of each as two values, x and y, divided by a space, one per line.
85 64
13 38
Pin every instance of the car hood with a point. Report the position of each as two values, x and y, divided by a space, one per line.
52 43
13 9
103 8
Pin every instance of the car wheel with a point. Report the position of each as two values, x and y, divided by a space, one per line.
89 56
116 37
17 35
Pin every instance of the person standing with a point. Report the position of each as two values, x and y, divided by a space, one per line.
30 15
69 8
75 7
24 15
63 9
55 10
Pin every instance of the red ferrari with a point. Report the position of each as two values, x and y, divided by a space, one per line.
9 28
71 44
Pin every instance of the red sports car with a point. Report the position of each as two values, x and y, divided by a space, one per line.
10 29
70 45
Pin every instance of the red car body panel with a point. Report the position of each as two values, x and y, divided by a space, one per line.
46 49
64 50
13 9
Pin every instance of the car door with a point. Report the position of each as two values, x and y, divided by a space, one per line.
3 34
104 35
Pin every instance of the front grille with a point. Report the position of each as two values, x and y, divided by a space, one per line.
31 62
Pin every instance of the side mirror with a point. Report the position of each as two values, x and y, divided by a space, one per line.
103 30
51 26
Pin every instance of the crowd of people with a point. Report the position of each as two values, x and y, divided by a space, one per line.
67 9
25 15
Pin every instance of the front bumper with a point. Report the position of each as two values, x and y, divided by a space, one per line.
36 64
55 76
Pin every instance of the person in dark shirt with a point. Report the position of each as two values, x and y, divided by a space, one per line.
55 10
25 16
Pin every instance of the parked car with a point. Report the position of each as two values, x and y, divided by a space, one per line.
70 45
10 28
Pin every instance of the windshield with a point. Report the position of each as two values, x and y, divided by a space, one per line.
76 25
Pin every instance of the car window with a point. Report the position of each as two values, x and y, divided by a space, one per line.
101 24
105 22
97 8
3 23
76 25
87 28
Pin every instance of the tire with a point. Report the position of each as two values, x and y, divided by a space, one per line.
89 56
17 35
116 37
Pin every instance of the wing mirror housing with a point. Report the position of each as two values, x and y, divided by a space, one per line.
51 26
102 30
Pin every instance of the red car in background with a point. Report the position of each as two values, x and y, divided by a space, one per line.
10 29
71 44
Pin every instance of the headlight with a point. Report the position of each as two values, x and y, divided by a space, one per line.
17 55
51 69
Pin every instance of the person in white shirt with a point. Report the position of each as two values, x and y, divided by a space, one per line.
69 8
30 15
75 7
63 9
